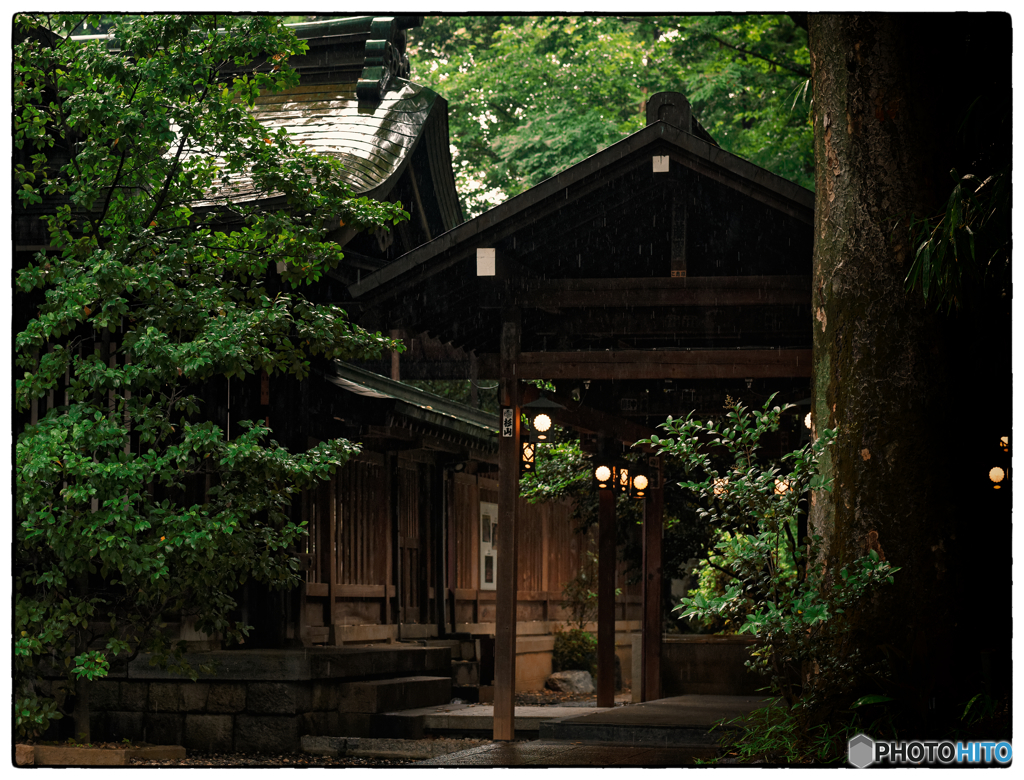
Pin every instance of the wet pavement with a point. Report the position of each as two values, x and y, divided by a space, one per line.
570 754
663 733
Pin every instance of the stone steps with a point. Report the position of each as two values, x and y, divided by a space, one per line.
399 693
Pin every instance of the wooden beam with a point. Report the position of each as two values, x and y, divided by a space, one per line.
664 364
647 291
606 599
650 653
508 503
583 418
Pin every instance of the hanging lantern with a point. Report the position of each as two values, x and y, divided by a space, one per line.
639 485
719 486
603 474
781 486
528 459
997 475
538 414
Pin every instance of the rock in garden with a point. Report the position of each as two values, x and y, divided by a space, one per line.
571 681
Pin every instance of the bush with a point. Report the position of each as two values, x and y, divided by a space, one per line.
575 649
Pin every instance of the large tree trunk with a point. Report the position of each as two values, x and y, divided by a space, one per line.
887 104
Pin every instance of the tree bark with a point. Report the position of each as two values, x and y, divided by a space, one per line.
887 104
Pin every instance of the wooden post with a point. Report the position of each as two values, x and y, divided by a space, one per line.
439 543
331 518
606 599
508 502
650 640
395 541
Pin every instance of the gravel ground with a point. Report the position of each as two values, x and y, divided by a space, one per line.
370 753
284 759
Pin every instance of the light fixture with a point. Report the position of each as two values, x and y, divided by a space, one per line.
781 486
603 474
719 485
639 485
528 461
1004 443
997 475
807 421
622 480
539 414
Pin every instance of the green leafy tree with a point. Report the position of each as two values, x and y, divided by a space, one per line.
776 585
530 96
133 504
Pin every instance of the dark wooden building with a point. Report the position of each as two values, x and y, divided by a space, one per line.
656 277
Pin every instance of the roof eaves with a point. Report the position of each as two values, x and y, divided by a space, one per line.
652 133
358 380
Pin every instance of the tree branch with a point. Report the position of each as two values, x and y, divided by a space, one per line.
791 68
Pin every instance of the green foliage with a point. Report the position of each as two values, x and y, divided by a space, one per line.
530 96
967 248
777 586
574 649
776 735
132 504
32 715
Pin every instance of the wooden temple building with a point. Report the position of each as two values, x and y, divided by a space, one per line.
653 278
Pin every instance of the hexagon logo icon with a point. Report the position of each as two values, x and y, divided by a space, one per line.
861 750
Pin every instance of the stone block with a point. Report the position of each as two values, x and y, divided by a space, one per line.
164 728
125 725
134 696
403 693
356 724
323 746
165 697
325 696
226 697
465 673
98 728
320 723
194 696
104 695
468 651
24 755
266 733
209 733
278 698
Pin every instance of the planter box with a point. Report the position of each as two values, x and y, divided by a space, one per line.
66 755
703 664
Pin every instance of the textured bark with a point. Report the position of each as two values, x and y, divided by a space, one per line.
886 108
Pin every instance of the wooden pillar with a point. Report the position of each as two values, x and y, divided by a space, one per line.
395 541
650 639
508 502
331 518
606 598
439 544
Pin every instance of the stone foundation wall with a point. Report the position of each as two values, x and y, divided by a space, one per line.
267 717
262 701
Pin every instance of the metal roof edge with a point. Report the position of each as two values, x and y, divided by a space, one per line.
629 145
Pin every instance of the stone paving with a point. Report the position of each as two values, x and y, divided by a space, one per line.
569 754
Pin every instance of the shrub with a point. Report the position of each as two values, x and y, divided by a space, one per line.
575 649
